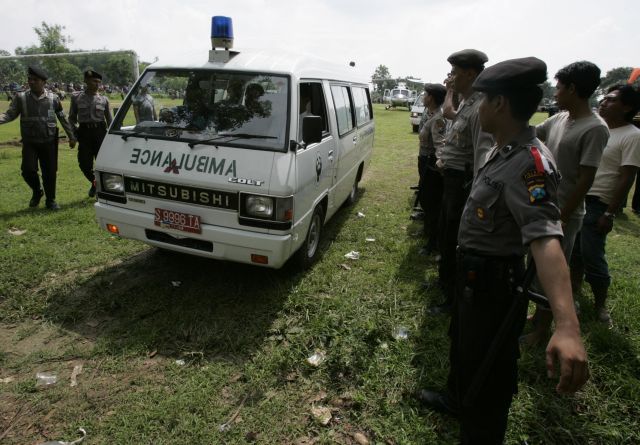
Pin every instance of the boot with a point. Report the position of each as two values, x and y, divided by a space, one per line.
36 197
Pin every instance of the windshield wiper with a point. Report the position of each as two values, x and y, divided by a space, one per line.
248 136
206 141
234 136
135 134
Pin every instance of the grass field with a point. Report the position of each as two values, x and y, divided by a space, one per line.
184 350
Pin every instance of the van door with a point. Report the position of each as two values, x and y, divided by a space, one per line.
364 121
315 162
347 143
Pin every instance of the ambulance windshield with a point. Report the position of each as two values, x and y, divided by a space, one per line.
208 107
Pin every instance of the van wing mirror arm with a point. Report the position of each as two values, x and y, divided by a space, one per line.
295 145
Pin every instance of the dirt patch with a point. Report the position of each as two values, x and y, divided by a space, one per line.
11 143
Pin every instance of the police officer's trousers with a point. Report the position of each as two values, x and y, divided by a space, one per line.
89 141
485 296
456 188
46 154
431 199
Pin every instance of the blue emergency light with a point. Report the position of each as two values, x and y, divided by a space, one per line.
221 32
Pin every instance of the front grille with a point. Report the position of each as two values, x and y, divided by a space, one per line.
191 243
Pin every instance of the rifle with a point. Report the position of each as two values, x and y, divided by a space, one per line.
522 293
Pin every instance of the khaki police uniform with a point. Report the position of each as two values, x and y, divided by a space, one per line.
465 145
432 139
513 202
91 116
39 132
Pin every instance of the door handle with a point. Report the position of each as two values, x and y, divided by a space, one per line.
330 156
355 139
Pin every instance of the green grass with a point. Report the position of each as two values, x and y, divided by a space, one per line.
70 293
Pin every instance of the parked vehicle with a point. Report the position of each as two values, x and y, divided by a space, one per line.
416 112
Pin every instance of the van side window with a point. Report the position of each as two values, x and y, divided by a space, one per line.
363 106
344 108
312 103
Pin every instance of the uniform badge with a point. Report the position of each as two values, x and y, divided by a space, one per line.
480 213
536 186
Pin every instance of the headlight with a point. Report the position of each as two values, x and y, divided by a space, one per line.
112 183
266 211
414 114
259 206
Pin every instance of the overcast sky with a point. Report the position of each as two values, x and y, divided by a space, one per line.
410 37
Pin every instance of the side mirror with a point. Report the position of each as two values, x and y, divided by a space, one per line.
311 129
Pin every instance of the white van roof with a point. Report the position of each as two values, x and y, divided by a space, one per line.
277 62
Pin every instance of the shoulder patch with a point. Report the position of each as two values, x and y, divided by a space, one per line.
536 185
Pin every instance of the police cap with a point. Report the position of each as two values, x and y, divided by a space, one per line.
37 72
468 58
91 74
435 88
512 75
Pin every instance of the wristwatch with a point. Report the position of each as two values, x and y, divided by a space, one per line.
609 215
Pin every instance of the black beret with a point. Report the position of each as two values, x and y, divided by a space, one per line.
92 74
468 58
435 88
512 75
37 72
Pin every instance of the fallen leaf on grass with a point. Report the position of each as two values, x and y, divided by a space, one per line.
361 439
16 232
322 414
77 370
345 266
152 353
7 380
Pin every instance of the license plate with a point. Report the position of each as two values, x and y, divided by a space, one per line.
170 219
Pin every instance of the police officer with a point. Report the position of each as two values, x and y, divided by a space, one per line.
465 146
90 111
38 109
431 135
512 205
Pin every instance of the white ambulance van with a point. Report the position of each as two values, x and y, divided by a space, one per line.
242 158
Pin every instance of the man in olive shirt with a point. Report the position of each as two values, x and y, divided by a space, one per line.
511 207
38 110
465 147
90 111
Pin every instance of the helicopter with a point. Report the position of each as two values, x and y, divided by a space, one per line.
400 95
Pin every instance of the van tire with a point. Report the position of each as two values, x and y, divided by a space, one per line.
308 252
353 194
415 128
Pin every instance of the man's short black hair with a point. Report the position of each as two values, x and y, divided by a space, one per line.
585 76
438 96
630 97
523 102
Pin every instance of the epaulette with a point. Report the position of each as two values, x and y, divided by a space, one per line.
541 162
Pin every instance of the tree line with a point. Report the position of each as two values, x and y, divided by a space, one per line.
117 69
